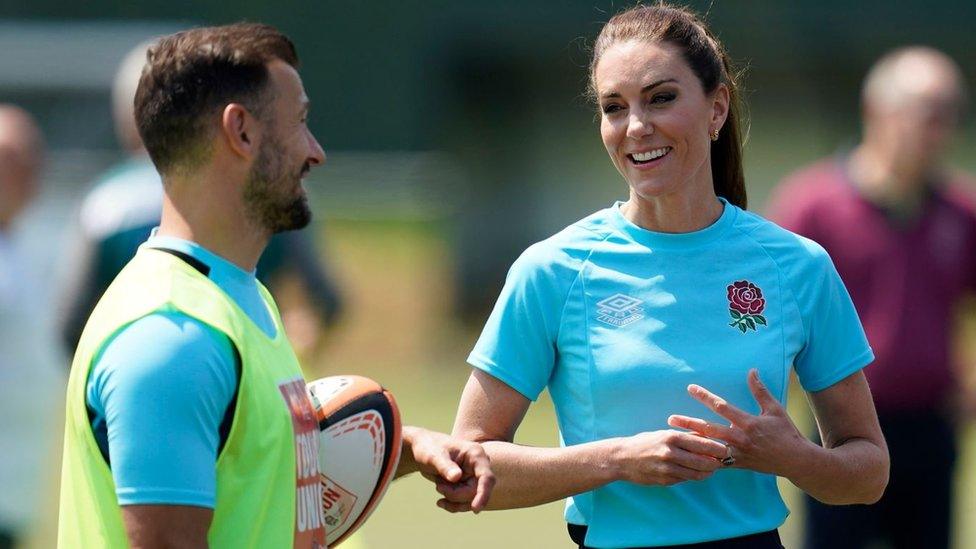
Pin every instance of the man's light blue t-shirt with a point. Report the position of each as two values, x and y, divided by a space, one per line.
616 321
159 390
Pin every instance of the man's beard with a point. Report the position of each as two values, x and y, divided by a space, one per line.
268 192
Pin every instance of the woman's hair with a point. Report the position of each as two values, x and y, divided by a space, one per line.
709 61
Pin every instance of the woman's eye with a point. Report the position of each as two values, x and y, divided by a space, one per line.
610 109
663 98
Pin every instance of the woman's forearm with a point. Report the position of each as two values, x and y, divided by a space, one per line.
852 472
489 414
528 476
852 466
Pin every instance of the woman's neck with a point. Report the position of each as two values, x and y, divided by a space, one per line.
673 213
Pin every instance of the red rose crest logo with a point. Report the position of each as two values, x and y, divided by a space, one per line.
746 304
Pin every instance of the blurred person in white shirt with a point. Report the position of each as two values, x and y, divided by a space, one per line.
30 377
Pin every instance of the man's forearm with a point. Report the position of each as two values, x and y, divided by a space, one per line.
407 464
154 526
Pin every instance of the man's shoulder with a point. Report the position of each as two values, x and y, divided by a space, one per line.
821 182
960 192
808 196
166 336
825 170
164 349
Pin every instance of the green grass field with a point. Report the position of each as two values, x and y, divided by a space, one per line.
398 330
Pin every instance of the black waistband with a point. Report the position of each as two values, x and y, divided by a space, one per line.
762 540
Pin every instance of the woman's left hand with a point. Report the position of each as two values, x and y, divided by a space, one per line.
768 443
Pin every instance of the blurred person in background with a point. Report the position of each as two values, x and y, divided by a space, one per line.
30 380
124 205
666 326
902 233
184 361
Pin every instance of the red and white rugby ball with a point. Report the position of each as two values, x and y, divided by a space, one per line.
359 449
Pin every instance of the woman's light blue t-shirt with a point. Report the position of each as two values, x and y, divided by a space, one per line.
159 389
616 321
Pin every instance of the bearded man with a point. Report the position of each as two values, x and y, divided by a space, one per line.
179 431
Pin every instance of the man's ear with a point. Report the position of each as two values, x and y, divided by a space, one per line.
240 129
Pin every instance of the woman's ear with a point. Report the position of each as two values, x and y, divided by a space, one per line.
720 107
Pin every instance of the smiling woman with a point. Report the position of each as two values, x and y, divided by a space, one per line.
656 124
692 62
666 326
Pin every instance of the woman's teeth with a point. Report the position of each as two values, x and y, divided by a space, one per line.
649 155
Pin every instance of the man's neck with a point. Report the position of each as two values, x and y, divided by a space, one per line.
220 228
878 178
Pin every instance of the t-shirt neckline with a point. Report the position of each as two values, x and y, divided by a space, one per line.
226 270
654 239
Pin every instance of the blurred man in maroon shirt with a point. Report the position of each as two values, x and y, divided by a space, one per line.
903 237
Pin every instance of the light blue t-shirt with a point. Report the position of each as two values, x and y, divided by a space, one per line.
616 321
159 391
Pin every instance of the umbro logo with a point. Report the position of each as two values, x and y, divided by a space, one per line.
619 310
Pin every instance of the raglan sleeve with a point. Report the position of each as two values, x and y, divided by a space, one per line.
518 343
835 345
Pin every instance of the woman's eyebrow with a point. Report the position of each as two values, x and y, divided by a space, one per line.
646 88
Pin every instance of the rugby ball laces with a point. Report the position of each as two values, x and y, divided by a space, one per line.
360 436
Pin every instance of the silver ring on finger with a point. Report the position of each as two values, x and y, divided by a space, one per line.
729 459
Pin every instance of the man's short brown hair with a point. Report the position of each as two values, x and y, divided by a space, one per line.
191 75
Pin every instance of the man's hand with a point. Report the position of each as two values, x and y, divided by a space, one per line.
460 468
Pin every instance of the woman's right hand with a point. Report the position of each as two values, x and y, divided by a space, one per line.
667 457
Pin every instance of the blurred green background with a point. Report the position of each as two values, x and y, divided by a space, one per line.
457 134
